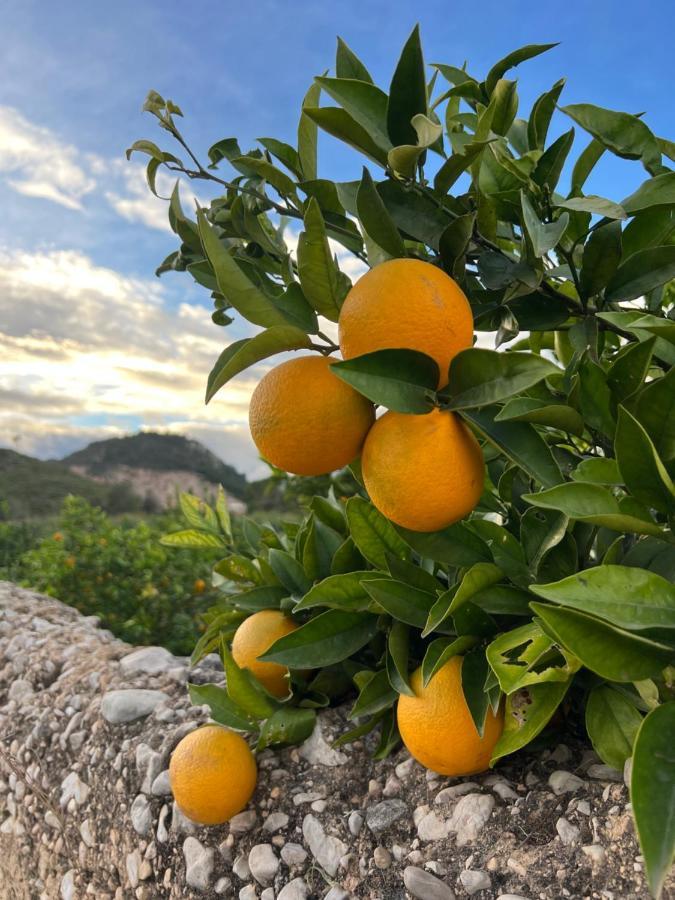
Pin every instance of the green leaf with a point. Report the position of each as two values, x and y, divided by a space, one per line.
621 133
198 513
289 572
541 115
477 578
515 58
373 534
307 134
280 181
526 713
612 722
364 102
412 574
375 695
585 165
320 544
608 651
550 165
505 99
288 725
284 153
594 504
244 689
474 674
223 513
375 219
341 125
598 471
191 538
480 377
539 412
403 602
602 254
630 598
316 267
440 651
642 272
596 205
651 228
595 397
238 568
348 65
454 242
455 545
397 659
655 410
542 237
264 597
407 92
655 192
222 709
329 513
401 380
403 159
248 351
540 531
526 656
454 165
346 559
521 443
652 793
641 467
327 639
344 591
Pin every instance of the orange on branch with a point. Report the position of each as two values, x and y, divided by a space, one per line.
254 637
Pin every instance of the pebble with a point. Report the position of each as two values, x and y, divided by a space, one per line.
263 863
19 690
222 886
584 807
336 893
248 892
562 782
470 816
243 821
504 791
382 857
383 815
318 752
452 793
392 787
432 828
133 862
474 880
118 707
161 786
293 854
150 660
595 852
569 834
319 806
425 886
198 863
355 822
86 833
294 890
601 772
275 821
72 788
141 815
267 894
326 849
512 897
240 867
68 885
403 769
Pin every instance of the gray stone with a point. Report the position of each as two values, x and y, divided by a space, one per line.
432 828
569 834
150 660
293 854
243 821
469 817
133 862
425 886
275 821
263 863
72 788
68 885
141 815
222 886
601 772
382 857
198 864
87 834
502 789
403 769
20 689
162 833
562 782
325 848
384 814
149 764
180 824
294 890
392 787
240 867
161 786
355 822
248 892
118 707
336 893
267 894
474 880
318 752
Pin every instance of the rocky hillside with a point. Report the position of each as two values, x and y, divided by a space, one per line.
87 727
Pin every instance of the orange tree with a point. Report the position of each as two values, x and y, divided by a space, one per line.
556 588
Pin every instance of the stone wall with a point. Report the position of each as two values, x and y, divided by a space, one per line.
87 726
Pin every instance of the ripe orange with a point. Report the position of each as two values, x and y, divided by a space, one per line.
406 303
422 472
306 420
437 728
254 636
213 774
199 586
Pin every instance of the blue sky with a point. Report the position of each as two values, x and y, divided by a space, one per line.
93 344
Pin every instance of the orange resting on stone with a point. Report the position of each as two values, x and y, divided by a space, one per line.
406 303
254 636
422 472
213 774
306 420
437 728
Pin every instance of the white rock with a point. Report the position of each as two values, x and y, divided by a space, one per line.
404 768
87 834
243 821
511 897
325 848
392 787
180 824
595 852
222 886
318 752
263 863
455 791
248 892
319 805
198 864
425 886
150 660
469 817
432 828
19 690
563 782
149 764
162 833
293 854
336 893
294 890
141 815
161 786
267 894
122 706
569 834
584 807
355 822
52 820
275 821
72 788
307 797
133 863
474 880
240 867
601 772
68 885
502 789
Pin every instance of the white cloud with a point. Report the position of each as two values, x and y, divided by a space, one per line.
35 162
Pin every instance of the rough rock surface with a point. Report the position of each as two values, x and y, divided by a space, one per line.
84 808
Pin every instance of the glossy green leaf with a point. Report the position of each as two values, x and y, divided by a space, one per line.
655 410
403 159
316 265
652 793
591 203
373 534
345 591
540 531
505 99
244 689
480 377
642 272
602 254
327 639
340 124
317 553
515 58
621 133
193 539
364 102
541 115
289 572
264 597
412 574
440 651
397 659
288 725
539 412
407 92
197 513
655 192
543 237
526 656
651 228
284 153
474 674
329 513
375 695
403 602
221 708
612 723
477 578
455 545
642 469
401 380
608 651
348 65
549 167
238 568
457 163
600 470
526 713
375 219
585 165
